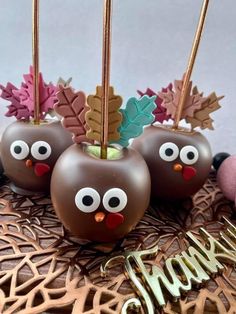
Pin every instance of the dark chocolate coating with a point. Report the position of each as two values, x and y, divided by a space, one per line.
167 183
75 169
24 179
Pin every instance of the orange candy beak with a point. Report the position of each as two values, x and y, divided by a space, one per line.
178 167
99 217
29 163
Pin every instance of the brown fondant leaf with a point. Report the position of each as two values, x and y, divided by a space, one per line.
94 115
171 100
201 117
72 107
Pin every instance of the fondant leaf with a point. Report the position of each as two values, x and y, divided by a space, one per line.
136 115
201 117
94 115
15 108
72 107
22 104
47 94
171 100
160 112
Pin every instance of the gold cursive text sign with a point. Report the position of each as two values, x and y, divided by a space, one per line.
204 258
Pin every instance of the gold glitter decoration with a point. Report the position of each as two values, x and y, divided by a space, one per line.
43 269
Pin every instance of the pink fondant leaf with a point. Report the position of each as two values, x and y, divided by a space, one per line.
22 104
47 94
160 112
72 107
15 108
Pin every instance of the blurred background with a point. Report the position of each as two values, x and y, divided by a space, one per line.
151 44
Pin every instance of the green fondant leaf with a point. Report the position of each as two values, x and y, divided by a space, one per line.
136 115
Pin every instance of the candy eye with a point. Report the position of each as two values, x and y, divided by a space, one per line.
19 150
189 155
87 200
169 151
41 150
114 200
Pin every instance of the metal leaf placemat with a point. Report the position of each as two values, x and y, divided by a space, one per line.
43 269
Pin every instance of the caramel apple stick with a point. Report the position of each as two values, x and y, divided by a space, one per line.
35 49
106 56
191 62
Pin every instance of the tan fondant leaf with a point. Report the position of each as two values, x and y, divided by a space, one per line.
94 115
171 99
72 107
201 117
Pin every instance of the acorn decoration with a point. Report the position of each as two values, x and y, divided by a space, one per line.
100 189
179 159
30 146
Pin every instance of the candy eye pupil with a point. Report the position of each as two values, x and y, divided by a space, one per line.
190 155
87 200
114 202
169 152
42 150
17 149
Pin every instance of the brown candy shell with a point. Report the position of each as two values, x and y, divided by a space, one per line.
167 183
24 180
76 170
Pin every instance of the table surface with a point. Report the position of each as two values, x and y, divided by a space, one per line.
43 269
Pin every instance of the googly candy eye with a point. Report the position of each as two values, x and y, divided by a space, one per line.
19 150
41 150
189 155
87 200
115 200
169 151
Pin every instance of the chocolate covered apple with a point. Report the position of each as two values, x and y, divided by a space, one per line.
99 191
179 159
29 150
101 199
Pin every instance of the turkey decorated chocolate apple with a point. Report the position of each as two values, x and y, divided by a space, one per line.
179 159
28 150
101 199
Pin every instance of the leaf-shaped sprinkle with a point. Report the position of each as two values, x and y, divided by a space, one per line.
72 107
201 117
160 112
136 115
94 115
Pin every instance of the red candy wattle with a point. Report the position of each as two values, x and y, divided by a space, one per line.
114 220
41 168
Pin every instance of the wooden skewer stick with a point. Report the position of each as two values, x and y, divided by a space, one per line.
35 50
191 62
107 17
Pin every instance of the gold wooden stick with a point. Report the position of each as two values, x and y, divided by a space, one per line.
191 62
35 49
106 75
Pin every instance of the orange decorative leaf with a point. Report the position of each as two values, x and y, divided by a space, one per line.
171 100
72 107
201 117
94 115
